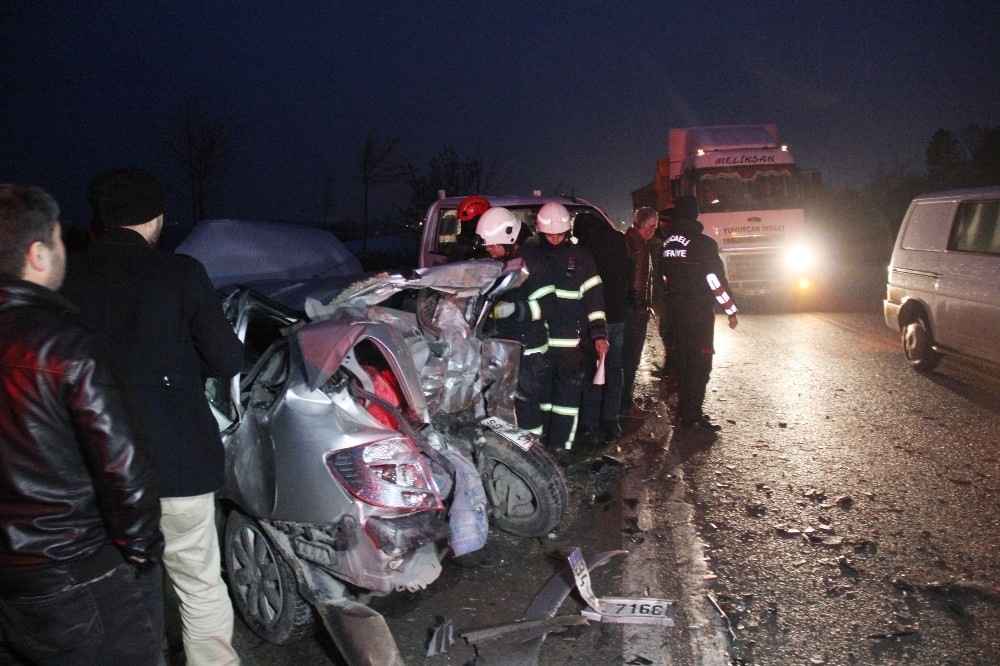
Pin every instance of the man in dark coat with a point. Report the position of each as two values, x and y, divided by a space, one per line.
694 282
168 328
79 524
601 404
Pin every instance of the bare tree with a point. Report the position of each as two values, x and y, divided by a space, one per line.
494 170
377 163
449 172
202 145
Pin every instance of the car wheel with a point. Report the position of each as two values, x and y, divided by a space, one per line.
527 489
918 345
263 585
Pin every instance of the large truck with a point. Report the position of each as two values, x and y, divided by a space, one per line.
751 196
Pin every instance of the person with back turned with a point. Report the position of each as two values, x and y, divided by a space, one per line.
694 282
164 317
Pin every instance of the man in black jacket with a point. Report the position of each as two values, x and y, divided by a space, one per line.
167 324
694 281
79 517
600 404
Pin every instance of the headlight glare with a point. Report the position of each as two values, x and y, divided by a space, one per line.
798 258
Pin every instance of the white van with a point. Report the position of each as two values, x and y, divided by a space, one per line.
943 291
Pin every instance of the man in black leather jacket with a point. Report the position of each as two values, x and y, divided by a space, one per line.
79 514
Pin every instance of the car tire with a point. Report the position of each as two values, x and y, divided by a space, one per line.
918 345
527 490
263 585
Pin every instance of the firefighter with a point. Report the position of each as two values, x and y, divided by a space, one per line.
468 213
576 322
694 281
519 315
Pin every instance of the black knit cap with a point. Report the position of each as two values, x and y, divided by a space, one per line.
125 197
686 208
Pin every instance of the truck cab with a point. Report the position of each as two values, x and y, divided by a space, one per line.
751 197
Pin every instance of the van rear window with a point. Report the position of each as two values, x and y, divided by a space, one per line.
927 225
977 228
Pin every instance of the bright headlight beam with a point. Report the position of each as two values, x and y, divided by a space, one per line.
798 258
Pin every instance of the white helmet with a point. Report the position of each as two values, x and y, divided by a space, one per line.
552 218
498 226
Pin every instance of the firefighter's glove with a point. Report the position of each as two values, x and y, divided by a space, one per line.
503 309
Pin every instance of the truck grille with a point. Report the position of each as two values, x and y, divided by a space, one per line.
755 266
741 241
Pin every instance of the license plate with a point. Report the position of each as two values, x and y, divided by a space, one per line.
617 610
521 438
632 611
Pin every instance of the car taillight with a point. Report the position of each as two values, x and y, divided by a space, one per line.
388 473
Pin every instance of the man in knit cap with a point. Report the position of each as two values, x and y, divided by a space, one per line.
165 320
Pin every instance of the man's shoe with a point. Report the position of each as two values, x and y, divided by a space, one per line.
702 423
567 457
586 438
636 412
610 430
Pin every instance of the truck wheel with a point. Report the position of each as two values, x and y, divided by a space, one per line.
527 489
263 585
918 345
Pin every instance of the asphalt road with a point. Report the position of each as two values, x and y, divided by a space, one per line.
846 514
849 511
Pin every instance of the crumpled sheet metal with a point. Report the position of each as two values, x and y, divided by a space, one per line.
463 279
500 367
518 651
323 345
462 359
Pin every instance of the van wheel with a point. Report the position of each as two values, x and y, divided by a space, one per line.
263 585
918 345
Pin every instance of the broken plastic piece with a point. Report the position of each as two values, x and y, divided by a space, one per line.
442 638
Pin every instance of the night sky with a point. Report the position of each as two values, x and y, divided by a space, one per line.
570 96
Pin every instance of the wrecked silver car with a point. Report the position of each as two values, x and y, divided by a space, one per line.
368 437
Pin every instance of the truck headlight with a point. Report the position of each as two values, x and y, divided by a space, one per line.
798 259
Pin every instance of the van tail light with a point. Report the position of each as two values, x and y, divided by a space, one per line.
388 473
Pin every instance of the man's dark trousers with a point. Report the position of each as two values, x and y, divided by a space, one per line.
59 617
693 339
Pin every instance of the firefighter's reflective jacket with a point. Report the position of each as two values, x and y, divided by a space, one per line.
577 310
530 300
692 268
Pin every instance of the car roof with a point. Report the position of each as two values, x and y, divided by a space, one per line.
518 200
969 193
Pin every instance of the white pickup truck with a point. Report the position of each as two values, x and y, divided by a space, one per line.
444 240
